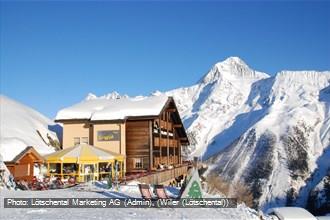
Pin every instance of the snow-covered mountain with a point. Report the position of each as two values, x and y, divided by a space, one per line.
211 105
21 126
284 153
271 133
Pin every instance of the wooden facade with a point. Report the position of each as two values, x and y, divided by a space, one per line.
138 144
155 141
22 166
146 141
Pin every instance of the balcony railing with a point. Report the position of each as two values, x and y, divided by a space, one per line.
163 160
163 142
164 123
163 176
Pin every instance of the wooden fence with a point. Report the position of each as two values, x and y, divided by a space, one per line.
164 176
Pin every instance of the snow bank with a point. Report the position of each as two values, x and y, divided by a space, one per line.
19 127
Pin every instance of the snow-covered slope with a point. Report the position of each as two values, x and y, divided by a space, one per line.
22 126
217 98
284 153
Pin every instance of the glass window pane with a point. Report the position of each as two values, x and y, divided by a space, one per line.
138 162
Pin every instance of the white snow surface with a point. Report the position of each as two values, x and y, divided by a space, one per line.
112 107
99 191
18 129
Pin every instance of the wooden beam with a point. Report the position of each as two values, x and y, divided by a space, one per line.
48 172
61 171
180 156
151 159
171 110
160 135
177 125
168 139
184 139
174 154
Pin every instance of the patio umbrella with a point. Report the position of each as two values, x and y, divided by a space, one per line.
83 153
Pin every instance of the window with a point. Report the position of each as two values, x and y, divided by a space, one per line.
76 141
108 135
171 149
164 151
84 140
176 151
156 126
138 163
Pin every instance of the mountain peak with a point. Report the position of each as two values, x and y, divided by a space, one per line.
111 95
156 93
90 96
232 68
233 61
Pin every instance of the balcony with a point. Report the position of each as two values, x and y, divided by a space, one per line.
164 123
163 176
162 142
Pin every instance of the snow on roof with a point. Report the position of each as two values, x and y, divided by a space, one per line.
114 109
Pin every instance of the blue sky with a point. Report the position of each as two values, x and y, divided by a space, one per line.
54 53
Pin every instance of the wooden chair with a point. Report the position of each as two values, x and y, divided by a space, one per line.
160 192
72 180
145 191
58 183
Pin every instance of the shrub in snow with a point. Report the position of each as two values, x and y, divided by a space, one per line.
296 147
218 185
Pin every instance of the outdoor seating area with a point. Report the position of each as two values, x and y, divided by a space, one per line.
85 163
44 184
